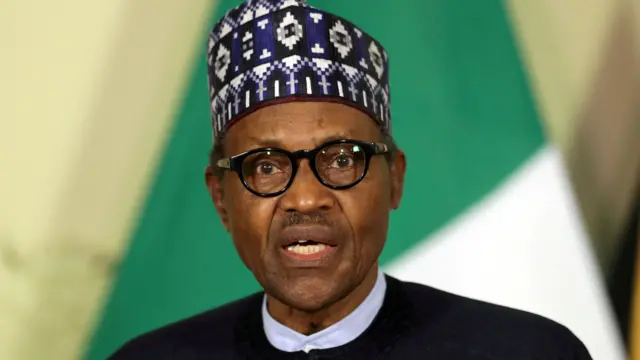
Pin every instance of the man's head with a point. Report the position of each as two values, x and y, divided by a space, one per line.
353 222
304 172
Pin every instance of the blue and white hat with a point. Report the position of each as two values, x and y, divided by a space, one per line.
268 51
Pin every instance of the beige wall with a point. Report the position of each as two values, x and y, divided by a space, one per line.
582 58
89 90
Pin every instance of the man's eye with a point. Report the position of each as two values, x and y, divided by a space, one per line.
266 168
342 161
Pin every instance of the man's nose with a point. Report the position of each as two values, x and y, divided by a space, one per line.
306 194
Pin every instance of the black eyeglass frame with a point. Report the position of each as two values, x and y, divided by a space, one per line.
234 163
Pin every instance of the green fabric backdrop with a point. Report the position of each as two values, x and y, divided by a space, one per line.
462 111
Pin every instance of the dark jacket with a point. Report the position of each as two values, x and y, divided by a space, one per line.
415 322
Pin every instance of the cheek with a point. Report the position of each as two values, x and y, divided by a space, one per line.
366 208
249 219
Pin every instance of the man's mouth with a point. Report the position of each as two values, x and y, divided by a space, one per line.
308 247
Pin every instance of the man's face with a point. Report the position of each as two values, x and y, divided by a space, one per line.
351 225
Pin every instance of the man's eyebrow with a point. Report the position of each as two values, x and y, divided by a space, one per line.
265 142
338 136
277 143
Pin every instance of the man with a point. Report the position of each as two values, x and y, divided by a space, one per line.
304 174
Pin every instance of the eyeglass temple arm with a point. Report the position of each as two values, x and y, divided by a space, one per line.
224 163
381 148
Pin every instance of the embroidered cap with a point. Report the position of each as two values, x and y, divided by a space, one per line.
266 51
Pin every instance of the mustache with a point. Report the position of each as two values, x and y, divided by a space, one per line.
315 218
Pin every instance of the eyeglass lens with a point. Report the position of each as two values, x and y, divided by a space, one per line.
337 165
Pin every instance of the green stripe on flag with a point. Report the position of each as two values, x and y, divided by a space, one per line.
461 109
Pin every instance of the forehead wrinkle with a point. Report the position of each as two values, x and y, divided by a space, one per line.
295 126
282 126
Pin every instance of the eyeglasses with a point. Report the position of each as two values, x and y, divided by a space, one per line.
339 165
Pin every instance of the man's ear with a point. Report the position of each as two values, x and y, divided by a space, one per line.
398 168
214 185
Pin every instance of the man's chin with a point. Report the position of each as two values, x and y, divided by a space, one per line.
310 294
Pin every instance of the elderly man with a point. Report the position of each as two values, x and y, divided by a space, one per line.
304 174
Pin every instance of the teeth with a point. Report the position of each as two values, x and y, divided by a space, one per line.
307 249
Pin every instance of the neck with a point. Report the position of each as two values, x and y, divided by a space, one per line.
311 322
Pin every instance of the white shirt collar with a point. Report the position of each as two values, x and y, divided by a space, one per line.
340 333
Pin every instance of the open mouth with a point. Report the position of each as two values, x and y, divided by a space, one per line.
307 247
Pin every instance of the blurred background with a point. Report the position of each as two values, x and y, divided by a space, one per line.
520 119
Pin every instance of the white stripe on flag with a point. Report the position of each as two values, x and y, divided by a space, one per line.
523 248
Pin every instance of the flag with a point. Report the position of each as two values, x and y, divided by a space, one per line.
488 210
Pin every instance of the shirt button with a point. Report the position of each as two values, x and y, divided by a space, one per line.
308 348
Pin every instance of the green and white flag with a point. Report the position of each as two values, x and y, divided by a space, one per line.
488 211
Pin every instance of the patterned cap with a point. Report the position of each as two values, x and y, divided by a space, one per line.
267 51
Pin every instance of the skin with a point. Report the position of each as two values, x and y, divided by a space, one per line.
308 299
